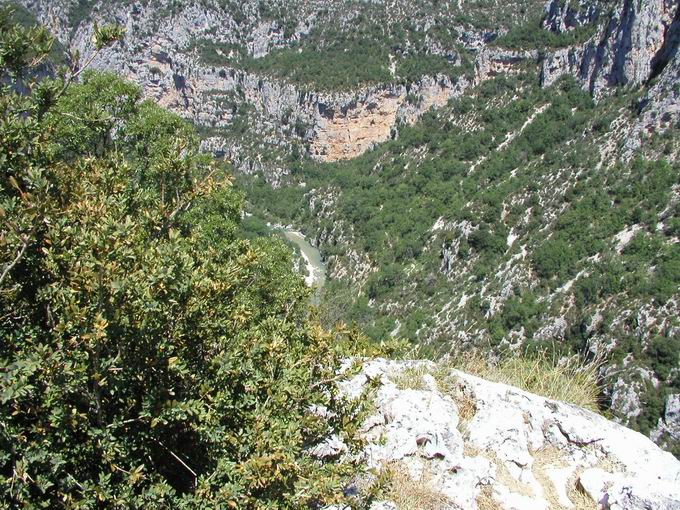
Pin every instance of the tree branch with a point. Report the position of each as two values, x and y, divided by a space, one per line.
174 455
14 262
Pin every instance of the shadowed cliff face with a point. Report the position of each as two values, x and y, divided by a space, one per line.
626 48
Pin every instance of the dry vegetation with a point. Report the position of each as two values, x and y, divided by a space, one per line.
408 493
551 458
544 460
411 378
572 380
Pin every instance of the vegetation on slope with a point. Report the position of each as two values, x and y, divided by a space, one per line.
532 36
493 220
352 44
150 356
333 60
572 380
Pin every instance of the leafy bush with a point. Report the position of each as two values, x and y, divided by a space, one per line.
664 355
338 67
554 258
22 16
150 357
483 239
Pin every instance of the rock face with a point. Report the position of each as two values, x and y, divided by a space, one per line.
660 108
667 431
161 54
466 443
347 135
344 129
634 42
626 48
494 61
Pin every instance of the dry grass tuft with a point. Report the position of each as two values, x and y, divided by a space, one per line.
467 406
447 383
580 499
551 457
544 459
470 451
450 385
410 494
485 499
410 378
505 478
571 380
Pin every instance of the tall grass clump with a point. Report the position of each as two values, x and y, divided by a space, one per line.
573 380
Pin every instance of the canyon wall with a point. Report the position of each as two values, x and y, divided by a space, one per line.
632 43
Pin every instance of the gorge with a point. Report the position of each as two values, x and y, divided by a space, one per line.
498 91
492 186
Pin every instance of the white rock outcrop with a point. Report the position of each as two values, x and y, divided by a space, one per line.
475 444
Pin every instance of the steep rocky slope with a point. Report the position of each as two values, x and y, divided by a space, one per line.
510 217
514 226
633 45
208 62
233 67
529 213
458 442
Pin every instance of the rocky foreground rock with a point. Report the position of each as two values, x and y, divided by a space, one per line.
455 441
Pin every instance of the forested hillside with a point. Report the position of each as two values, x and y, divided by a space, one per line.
500 227
496 177
515 218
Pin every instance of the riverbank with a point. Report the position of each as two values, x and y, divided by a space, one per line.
315 269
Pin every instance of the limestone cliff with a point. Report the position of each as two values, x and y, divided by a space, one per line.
161 54
632 45
626 48
454 441
632 42
344 129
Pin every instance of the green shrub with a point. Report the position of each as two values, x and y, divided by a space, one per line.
80 11
554 258
150 357
484 240
532 35
664 355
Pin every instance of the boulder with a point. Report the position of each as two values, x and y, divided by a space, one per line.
467 443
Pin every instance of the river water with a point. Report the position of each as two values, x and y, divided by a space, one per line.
316 269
